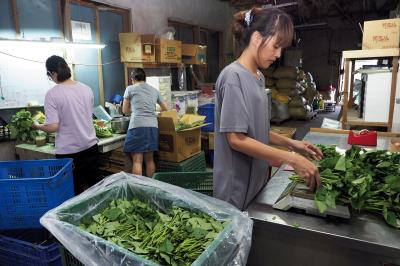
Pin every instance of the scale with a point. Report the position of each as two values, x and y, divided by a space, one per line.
297 196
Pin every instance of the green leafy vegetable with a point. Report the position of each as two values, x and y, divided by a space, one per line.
174 238
365 180
102 131
21 126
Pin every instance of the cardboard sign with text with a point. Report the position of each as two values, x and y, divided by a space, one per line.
381 34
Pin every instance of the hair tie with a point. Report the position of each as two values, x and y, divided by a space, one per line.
248 18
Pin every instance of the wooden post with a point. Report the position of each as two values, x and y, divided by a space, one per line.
346 92
67 21
16 18
99 60
351 102
395 70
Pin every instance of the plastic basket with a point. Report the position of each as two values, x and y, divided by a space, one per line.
208 111
201 182
28 189
29 248
68 259
196 163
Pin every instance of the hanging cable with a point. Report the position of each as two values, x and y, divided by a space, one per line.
79 64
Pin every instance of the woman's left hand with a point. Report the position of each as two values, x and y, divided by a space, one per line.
307 149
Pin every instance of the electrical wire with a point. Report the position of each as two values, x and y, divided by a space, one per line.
79 64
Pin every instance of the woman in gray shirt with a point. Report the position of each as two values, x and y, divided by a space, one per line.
141 140
242 128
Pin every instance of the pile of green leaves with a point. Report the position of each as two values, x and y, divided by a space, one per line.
21 126
102 131
365 180
174 238
182 125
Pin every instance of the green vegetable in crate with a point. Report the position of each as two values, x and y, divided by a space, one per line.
189 121
365 180
21 126
102 131
175 238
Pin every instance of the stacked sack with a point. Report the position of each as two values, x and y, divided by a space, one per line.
298 86
280 108
306 80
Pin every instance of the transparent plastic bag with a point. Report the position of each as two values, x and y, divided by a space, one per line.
230 247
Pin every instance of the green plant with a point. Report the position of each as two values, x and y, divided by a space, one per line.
365 180
178 237
21 126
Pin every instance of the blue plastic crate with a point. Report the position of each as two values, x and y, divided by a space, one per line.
29 248
208 111
28 189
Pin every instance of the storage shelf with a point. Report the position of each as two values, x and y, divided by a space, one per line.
153 65
348 78
354 120
356 54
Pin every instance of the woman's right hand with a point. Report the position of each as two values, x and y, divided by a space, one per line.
305 169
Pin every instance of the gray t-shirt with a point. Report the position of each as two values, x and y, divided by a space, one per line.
143 99
241 105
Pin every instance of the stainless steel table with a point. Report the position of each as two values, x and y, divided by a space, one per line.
290 238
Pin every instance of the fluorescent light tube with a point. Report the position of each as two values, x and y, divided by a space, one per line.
52 44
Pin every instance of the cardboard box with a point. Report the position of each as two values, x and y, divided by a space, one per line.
194 54
137 48
168 51
381 34
176 146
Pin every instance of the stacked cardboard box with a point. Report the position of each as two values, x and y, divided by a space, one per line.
138 48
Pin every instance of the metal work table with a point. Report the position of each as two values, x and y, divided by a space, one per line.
33 152
291 238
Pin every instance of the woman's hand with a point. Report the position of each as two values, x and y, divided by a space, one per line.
307 149
305 169
35 125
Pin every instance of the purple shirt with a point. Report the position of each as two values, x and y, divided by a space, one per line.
71 107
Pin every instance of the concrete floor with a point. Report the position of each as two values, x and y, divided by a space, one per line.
303 126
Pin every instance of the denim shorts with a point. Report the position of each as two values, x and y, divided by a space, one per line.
141 139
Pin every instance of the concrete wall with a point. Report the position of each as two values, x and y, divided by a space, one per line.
150 16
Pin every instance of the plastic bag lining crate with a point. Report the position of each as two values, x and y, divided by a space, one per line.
208 111
201 182
196 163
68 259
220 252
28 189
34 247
